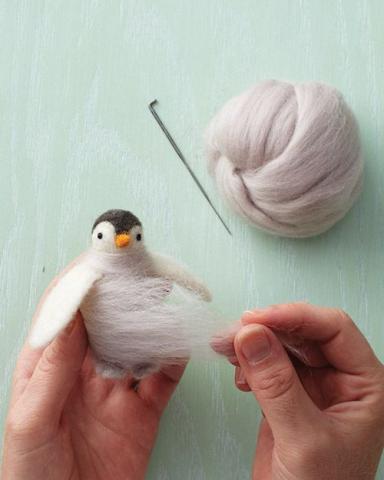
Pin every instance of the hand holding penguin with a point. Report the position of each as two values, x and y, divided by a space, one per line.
142 311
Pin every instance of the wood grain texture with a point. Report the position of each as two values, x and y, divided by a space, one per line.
76 138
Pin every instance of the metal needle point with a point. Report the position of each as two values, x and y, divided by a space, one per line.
182 158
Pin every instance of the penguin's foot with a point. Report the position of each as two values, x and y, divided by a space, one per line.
109 370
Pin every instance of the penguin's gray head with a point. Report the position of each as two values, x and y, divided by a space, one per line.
117 231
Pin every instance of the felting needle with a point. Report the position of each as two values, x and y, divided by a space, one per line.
182 158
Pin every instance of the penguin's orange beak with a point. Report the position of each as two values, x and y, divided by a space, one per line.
122 240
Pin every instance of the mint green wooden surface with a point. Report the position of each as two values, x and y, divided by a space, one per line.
76 138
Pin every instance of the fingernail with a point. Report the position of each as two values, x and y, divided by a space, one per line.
240 377
255 345
255 311
252 314
234 360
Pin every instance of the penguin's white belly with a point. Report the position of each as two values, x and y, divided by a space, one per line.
130 322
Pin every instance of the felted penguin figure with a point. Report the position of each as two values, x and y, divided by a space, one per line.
141 310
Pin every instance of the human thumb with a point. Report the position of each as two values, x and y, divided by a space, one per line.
274 382
57 371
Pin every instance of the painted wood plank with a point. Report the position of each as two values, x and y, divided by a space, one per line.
76 138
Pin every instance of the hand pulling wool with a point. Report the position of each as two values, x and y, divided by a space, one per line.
287 157
142 311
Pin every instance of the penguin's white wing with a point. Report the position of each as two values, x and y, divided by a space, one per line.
167 267
61 303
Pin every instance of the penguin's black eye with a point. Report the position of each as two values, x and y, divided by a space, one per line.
100 236
138 237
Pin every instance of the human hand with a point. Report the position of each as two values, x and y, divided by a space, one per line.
322 395
66 423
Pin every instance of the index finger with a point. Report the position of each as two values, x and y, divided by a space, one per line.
29 357
25 366
341 342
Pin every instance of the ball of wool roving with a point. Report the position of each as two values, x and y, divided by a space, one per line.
287 156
